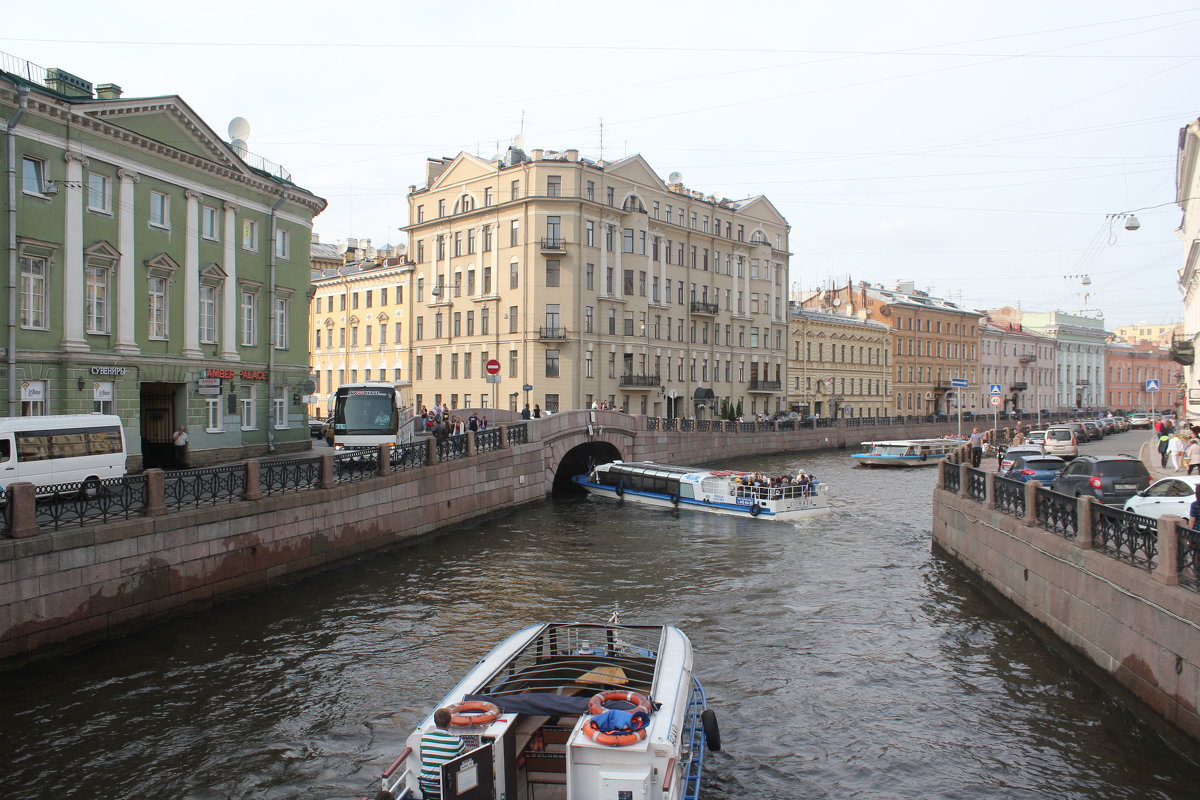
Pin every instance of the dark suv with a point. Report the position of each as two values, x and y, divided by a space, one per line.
1110 479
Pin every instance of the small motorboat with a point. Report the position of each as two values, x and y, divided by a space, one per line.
540 716
906 452
715 491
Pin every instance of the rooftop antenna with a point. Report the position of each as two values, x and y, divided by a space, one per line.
602 138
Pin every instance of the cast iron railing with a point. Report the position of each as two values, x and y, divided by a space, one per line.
208 486
414 454
487 441
1125 536
350 466
518 434
976 484
452 448
92 501
1189 557
951 477
290 476
1010 496
1057 513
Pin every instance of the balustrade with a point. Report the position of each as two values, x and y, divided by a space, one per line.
1010 496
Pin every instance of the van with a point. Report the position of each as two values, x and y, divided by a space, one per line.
1061 441
61 448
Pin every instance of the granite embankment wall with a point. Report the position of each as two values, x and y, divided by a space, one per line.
60 589
1135 628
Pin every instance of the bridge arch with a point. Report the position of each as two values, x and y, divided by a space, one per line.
572 451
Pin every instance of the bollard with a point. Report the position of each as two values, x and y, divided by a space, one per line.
327 480
1167 569
1083 513
383 460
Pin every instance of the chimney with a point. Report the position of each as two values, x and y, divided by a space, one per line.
316 238
67 84
108 91
536 155
351 243
572 155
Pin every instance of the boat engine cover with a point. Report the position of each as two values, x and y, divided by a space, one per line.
625 785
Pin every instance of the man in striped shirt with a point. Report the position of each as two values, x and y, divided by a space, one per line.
438 747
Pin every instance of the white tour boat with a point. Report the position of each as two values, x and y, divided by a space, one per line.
714 491
906 452
527 714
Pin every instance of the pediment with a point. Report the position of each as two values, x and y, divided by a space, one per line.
102 249
465 167
762 208
162 263
212 271
636 169
170 121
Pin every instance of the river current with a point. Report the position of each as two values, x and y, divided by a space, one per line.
843 659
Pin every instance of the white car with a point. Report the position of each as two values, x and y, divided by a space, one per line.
1036 437
1165 496
1139 421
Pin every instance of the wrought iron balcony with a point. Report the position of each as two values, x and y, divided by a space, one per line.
1083 382
710 309
1020 386
554 245
760 385
1025 358
641 381
552 333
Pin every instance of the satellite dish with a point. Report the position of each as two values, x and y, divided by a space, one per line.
401 249
675 177
837 301
519 141
239 147
239 128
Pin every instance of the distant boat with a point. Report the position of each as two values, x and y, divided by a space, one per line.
715 491
907 452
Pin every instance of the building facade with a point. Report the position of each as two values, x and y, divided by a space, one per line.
1080 344
1151 333
1021 364
1141 377
161 276
590 281
839 366
1187 195
933 341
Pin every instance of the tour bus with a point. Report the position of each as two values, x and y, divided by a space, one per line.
371 413
61 448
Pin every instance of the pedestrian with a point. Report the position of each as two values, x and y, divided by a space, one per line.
473 422
1175 450
595 406
537 411
1192 456
525 413
438 747
1194 511
180 440
976 445
1163 441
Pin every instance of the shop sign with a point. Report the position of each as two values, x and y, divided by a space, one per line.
246 374
33 391
209 386
102 391
107 370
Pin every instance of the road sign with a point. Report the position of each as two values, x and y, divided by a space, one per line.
1152 385
997 399
996 389
492 367
527 388
492 378
961 383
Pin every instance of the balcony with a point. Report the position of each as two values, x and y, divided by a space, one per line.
1020 386
554 245
760 385
640 382
1025 358
552 333
710 309
1083 383
1183 351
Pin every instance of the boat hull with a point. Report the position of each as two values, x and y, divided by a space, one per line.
815 506
869 460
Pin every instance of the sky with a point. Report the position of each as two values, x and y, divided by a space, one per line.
987 152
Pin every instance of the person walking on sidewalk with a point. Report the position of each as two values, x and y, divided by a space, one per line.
976 444
1175 448
1192 454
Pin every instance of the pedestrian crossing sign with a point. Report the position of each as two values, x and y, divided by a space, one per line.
1152 385
996 389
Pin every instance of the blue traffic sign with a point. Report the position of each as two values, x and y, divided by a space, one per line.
996 389
1152 385
961 383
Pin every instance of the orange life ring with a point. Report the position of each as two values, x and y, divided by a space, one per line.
473 712
612 739
596 704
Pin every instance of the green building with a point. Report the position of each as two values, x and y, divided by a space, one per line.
152 272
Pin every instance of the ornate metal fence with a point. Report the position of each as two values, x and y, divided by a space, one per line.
415 454
687 425
487 441
950 477
671 424
518 434
1128 537
1189 557
351 466
293 475
976 484
1010 496
452 448
652 423
1057 513
4 525
67 504
192 488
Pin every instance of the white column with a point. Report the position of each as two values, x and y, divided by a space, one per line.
73 339
229 328
191 277
126 339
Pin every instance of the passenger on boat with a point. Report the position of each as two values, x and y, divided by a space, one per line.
438 747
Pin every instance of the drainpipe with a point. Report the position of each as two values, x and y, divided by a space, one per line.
10 340
271 337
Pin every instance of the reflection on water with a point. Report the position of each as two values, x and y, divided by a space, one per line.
844 660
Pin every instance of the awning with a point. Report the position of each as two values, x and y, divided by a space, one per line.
703 393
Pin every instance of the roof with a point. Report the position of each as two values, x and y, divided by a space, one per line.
323 251
824 316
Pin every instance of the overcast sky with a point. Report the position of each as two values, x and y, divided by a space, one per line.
975 149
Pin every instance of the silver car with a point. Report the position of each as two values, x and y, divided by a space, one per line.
1061 441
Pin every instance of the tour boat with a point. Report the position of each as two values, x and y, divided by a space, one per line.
531 714
715 491
906 452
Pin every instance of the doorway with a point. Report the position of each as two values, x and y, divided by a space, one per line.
158 403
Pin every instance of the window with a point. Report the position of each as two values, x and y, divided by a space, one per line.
514 233
420 213
487 196
34 285
246 405
552 272
514 190
441 208
484 320
487 280
589 232
587 319
513 275
551 363
33 175
512 319
283 244
612 199
553 185
487 238
99 196
249 234
627 240
158 307
279 409
420 251
512 363
160 209
210 223
212 415
96 300
591 190
554 229
470 241
208 314
589 276
280 322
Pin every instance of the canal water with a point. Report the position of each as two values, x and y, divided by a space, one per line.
844 660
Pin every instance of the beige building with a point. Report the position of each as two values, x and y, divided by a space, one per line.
839 366
590 281
1153 333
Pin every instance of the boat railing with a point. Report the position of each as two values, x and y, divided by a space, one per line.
693 754
395 783
789 491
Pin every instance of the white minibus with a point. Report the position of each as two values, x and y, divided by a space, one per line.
61 448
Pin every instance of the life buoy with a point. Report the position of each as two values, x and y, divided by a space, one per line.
620 490
473 712
612 739
596 704
755 510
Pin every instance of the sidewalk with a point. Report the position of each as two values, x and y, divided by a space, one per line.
1150 457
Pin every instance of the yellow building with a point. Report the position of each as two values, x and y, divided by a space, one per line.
593 282
839 366
1160 333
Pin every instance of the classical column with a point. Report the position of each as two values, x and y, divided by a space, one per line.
126 339
191 276
73 339
229 328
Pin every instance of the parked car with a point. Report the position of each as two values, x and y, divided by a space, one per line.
1165 496
1061 440
1036 467
316 426
1006 461
1094 431
1140 421
1035 437
1110 479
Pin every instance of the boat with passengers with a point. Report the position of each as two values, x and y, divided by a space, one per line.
906 452
723 491
569 710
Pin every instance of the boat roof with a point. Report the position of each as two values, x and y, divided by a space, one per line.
650 468
915 441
